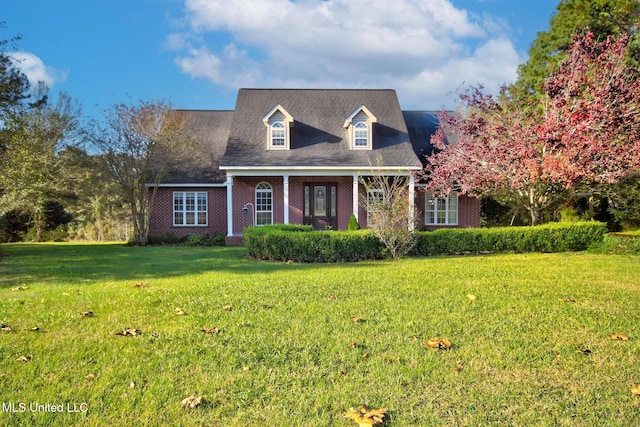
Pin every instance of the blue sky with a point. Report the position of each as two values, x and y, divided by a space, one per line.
198 53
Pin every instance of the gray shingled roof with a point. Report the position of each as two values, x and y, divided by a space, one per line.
210 130
421 126
318 137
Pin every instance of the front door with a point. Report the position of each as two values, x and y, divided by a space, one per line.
320 205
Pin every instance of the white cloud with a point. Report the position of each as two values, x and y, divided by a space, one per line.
424 48
36 71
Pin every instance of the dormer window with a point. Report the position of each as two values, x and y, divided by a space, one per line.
278 123
360 135
278 135
359 127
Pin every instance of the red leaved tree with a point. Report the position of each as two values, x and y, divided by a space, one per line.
584 130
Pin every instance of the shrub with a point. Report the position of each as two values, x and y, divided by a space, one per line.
619 243
302 244
353 223
188 240
555 237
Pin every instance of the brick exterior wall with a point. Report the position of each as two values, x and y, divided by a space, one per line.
244 192
161 222
468 212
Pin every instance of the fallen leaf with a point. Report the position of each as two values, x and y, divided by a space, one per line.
471 297
635 390
227 308
65 294
86 313
365 356
459 367
366 416
129 332
439 343
179 312
353 345
90 377
567 299
192 402
246 368
357 319
23 359
6 328
139 285
619 337
332 297
212 330
585 351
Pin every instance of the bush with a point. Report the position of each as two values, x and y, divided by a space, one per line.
302 244
188 240
555 237
619 244
353 223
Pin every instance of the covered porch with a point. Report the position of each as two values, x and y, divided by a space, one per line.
324 198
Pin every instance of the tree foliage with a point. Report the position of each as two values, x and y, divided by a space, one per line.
139 145
588 132
32 167
602 18
14 86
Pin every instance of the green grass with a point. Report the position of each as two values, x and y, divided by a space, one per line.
284 355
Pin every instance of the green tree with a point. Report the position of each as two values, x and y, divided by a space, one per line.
603 18
14 86
139 145
32 171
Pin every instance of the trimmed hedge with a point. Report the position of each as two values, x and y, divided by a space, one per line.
302 244
188 240
554 237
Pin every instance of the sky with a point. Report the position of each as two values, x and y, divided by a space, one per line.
196 54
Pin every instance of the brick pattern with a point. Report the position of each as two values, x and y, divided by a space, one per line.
161 222
244 192
468 212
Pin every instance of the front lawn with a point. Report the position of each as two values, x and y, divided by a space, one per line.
299 344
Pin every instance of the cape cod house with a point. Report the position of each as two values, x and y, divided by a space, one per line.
296 156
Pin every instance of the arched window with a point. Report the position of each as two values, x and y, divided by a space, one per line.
360 134
264 204
278 134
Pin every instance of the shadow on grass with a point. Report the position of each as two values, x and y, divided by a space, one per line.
69 262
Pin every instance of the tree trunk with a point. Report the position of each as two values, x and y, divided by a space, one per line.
534 208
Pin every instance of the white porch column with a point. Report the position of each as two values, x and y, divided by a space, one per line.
355 196
285 185
412 201
229 184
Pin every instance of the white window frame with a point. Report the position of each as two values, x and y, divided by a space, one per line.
264 191
357 128
441 208
182 209
278 131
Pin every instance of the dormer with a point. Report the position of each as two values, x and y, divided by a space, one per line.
359 126
278 123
